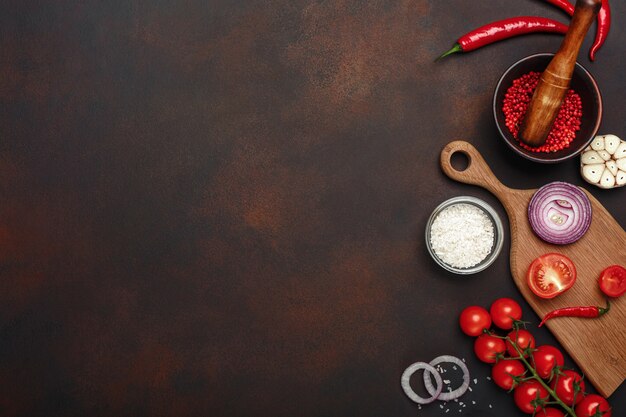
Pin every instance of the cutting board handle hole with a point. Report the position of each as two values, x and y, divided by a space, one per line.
460 161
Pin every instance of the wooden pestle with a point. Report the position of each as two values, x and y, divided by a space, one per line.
554 82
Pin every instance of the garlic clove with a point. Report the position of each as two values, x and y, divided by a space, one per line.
603 162
620 152
611 142
593 173
604 155
612 167
591 157
598 143
607 180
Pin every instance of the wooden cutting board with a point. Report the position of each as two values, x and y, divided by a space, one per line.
597 345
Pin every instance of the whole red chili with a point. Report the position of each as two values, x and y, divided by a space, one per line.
504 29
604 25
588 312
603 19
564 5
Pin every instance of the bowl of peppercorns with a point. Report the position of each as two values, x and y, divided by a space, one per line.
576 124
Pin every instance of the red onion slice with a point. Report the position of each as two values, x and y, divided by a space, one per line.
405 381
447 396
559 213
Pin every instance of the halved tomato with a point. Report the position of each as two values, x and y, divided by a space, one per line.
613 281
551 274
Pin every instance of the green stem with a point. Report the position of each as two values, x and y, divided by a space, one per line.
569 410
456 48
603 311
576 390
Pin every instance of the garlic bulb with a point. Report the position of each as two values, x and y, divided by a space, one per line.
603 163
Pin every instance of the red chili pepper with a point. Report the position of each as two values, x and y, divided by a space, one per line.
564 5
604 22
604 25
588 312
504 29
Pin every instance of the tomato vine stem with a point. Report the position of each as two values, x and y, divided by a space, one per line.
535 376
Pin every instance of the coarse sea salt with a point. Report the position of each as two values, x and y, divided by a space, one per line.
462 235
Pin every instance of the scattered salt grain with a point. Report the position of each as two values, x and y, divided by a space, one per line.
490 406
488 378
475 381
462 235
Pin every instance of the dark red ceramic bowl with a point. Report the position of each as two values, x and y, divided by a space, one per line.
582 82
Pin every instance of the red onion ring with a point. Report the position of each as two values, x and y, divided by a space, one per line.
559 213
447 396
405 381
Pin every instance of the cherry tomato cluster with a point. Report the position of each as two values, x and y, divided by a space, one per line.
534 374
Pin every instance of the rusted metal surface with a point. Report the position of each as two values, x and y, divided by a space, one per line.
217 208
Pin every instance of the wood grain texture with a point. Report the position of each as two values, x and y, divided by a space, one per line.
597 345
217 208
555 80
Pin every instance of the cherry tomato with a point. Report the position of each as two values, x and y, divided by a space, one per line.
473 320
526 393
613 281
503 372
564 387
522 338
503 311
487 347
592 403
550 275
550 412
546 357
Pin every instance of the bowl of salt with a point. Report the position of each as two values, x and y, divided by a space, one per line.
464 235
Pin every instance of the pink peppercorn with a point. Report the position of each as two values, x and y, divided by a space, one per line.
567 123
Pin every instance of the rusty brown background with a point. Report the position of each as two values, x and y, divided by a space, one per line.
216 208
